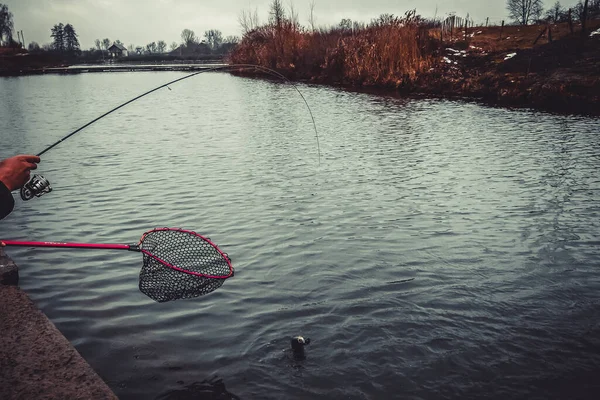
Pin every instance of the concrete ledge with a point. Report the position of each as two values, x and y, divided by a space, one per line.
9 272
36 360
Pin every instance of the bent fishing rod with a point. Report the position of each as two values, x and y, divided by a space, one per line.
38 185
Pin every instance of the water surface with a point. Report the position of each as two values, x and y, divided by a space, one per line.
439 250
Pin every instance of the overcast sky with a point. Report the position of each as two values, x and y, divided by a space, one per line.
140 22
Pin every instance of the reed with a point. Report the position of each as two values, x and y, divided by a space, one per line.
390 51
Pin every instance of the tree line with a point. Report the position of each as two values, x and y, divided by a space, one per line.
524 12
64 38
213 43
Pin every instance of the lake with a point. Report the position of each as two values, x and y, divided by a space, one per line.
437 249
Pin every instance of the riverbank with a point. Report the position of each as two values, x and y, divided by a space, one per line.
45 64
558 76
546 67
36 360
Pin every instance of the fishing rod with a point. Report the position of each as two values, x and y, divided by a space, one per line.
38 185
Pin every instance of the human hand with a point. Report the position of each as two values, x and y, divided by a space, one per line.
15 171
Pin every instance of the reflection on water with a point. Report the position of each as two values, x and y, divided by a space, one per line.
440 250
208 389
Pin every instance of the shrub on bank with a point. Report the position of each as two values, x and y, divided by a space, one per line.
390 51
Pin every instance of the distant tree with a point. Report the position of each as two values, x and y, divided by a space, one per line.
555 13
131 48
70 37
58 36
524 11
161 46
188 37
119 42
248 20
6 24
277 13
229 44
98 44
139 50
33 47
346 24
173 46
214 38
231 40
358 26
311 16
151 48
105 43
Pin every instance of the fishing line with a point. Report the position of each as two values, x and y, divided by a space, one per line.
232 66
38 185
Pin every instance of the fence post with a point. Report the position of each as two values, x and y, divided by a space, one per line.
466 27
540 35
486 21
570 21
501 29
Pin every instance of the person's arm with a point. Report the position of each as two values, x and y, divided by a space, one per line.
14 173
7 203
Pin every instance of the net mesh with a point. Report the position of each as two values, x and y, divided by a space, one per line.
180 264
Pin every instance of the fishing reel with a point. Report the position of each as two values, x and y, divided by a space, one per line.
36 187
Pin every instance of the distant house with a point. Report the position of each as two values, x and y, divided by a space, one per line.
117 50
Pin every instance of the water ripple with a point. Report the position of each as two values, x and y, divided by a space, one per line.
440 250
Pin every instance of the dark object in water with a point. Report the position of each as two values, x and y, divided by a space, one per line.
208 389
298 344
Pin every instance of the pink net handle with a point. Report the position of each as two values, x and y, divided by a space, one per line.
70 245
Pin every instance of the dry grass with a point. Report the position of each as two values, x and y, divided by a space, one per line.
511 37
388 52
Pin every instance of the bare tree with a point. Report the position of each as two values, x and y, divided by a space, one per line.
277 13
524 11
555 13
174 46
188 37
248 20
151 48
231 40
106 43
346 25
311 16
214 38
294 17
161 46
33 47
98 44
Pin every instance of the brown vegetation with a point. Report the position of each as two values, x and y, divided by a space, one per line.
553 68
391 51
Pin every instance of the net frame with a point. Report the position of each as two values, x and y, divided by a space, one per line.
163 281
194 234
